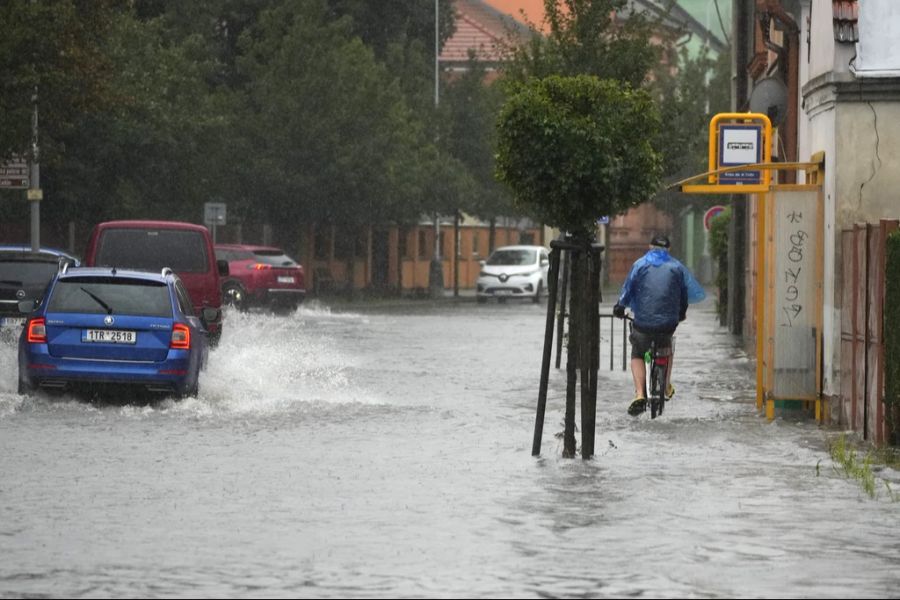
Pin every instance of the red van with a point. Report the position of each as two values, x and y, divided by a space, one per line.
152 245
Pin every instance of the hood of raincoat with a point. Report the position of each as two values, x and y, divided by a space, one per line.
658 290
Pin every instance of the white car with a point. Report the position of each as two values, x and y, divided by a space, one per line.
514 272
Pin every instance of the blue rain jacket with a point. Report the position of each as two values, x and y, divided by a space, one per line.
658 291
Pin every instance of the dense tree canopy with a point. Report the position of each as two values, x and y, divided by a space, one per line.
288 110
577 148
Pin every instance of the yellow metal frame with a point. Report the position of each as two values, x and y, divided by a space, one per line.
741 119
814 170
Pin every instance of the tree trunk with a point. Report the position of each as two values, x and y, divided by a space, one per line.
572 355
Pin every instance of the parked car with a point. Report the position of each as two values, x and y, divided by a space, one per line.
261 276
514 272
113 326
152 245
23 276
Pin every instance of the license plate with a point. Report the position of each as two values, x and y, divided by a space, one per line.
109 336
285 279
503 292
12 321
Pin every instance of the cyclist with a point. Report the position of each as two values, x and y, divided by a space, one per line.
658 290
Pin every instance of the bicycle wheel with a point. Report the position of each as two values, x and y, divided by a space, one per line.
656 403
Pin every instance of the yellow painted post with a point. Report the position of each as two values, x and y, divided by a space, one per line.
760 296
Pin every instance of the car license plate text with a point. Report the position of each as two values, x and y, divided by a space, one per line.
109 336
285 279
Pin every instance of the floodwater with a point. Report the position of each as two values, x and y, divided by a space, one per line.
386 452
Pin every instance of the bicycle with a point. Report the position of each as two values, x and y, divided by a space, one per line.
659 359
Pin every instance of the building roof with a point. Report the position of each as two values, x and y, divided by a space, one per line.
481 29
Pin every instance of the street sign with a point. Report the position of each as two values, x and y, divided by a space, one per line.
214 213
710 214
14 175
740 145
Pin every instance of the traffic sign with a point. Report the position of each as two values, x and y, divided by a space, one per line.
709 215
214 213
14 175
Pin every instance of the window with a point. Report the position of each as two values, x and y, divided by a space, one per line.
513 257
276 258
111 295
184 299
30 273
152 249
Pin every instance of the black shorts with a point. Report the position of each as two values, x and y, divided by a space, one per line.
640 342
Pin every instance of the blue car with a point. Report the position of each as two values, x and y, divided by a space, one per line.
100 326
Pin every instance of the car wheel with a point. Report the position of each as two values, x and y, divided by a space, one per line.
233 295
537 294
25 388
189 392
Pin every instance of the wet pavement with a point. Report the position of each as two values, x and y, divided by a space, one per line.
384 450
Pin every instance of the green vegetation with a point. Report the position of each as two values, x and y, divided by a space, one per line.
718 248
575 148
847 457
290 111
892 333
293 111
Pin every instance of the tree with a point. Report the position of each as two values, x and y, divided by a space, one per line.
575 148
333 136
52 48
587 37
468 115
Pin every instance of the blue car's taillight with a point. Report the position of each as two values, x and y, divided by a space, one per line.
37 331
181 337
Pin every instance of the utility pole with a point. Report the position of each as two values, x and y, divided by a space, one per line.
34 188
436 270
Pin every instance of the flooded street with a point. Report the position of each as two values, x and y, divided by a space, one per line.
386 452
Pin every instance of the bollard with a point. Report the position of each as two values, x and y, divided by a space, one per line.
561 321
552 277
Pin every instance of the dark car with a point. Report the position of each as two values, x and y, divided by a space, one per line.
23 276
100 326
261 276
186 248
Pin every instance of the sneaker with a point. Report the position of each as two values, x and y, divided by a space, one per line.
637 406
670 391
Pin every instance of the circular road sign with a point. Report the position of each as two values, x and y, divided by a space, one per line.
708 216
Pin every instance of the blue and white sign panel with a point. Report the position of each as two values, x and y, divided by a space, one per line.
740 145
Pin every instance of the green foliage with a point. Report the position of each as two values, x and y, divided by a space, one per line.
892 324
688 98
718 248
587 37
468 111
846 456
53 48
575 148
288 110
